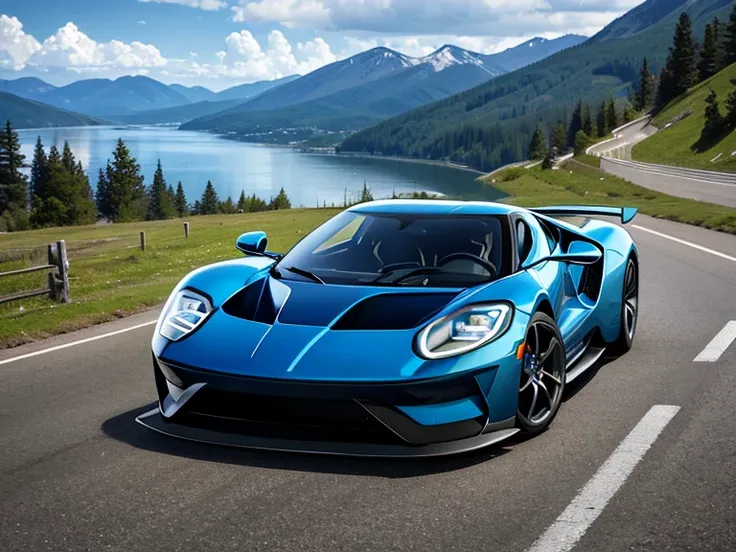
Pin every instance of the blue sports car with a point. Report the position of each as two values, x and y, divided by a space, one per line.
396 328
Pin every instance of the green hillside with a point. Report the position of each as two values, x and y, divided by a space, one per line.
580 184
678 144
24 113
492 124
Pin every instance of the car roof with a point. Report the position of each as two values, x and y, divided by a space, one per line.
432 207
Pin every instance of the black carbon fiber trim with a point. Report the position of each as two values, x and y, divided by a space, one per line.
211 435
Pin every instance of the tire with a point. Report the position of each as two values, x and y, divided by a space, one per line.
629 309
542 378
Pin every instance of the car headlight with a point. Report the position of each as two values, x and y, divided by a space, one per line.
185 312
463 330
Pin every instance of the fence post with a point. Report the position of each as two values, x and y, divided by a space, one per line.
186 229
143 241
63 271
53 294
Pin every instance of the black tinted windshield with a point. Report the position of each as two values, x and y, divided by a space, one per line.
402 250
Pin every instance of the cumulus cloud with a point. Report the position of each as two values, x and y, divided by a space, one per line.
209 5
425 17
72 49
15 45
245 58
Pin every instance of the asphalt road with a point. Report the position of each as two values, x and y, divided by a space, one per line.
624 140
77 474
708 186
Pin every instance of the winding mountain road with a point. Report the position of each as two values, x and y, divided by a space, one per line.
640 458
615 154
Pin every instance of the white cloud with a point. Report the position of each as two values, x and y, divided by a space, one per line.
142 22
428 17
72 49
209 5
15 45
244 58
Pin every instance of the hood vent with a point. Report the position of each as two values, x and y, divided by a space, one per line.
259 301
393 311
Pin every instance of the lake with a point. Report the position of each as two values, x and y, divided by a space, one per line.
308 178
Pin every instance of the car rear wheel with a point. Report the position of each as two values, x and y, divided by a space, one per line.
629 308
542 380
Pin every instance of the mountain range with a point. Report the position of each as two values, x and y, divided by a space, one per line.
373 85
345 95
25 113
491 124
129 94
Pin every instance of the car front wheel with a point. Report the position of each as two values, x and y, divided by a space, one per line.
542 380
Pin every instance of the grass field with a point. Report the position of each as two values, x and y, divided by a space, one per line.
578 183
111 277
677 145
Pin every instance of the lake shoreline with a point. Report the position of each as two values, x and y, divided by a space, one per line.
234 166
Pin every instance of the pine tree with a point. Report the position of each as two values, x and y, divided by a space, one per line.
714 122
600 120
102 194
549 158
707 67
180 201
209 204
126 192
39 176
611 115
628 114
681 62
666 85
197 208
159 199
366 194
731 107
67 198
559 137
537 146
576 123
717 27
281 201
587 120
243 202
13 183
227 207
643 98
582 141
729 39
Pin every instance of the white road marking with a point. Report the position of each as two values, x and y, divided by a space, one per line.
572 524
719 344
683 242
73 343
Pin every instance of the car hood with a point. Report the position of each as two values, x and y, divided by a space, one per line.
303 330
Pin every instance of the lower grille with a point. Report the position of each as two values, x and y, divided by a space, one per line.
287 418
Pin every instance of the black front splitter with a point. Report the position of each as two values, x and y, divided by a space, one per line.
154 420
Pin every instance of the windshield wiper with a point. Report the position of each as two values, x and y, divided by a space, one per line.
405 273
305 273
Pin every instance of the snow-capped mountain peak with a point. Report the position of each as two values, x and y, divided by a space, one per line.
449 55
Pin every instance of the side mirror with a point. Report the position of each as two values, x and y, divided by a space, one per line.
252 243
579 253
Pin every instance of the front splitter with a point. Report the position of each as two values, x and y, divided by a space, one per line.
154 420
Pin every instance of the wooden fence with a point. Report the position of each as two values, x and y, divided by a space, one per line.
58 276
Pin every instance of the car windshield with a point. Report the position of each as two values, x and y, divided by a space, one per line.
401 250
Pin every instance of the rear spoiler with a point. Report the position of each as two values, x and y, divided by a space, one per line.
626 214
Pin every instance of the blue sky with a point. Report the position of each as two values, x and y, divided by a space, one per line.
218 43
